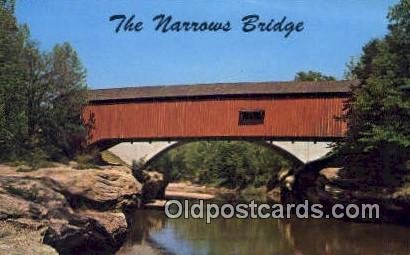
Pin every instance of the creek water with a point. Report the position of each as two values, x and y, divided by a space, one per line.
151 232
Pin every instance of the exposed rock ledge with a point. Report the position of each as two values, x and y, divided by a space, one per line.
332 187
79 210
319 183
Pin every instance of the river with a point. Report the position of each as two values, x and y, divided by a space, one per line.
151 232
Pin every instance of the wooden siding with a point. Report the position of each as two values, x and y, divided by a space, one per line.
298 118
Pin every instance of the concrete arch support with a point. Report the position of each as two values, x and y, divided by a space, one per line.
304 151
147 151
139 151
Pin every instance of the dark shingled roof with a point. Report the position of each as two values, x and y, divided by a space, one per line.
221 90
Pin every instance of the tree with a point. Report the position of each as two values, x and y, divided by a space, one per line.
66 96
12 40
349 73
313 76
41 95
233 164
378 113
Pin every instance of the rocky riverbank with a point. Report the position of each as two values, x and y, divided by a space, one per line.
318 182
70 211
65 210
315 182
74 211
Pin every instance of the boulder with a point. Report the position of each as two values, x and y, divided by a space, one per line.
101 189
280 186
75 206
394 202
114 223
17 239
154 185
274 195
331 174
87 232
28 197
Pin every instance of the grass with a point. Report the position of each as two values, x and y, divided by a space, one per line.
15 163
21 169
26 166
85 161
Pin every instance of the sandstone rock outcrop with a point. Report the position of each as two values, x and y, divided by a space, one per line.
394 202
154 184
280 186
110 188
318 182
19 239
75 206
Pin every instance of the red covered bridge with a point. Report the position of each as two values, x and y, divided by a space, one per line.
277 111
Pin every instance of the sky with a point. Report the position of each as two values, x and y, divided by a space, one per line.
334 31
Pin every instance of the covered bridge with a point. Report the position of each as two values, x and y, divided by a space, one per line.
286 112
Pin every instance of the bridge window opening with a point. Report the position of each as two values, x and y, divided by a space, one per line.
251 117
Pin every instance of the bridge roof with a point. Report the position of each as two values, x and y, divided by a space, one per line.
243 89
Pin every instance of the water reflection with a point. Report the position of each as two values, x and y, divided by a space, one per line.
152 233
337 237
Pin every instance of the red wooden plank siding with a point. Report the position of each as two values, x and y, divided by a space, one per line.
297 117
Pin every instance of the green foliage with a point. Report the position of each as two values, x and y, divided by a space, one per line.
41 95
86 161
32 161
12 40
313 76
378 114
349 73
251 193
37 158
221 163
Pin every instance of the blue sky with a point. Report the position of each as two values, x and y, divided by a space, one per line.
333 32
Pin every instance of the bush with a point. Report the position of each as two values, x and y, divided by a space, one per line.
86 161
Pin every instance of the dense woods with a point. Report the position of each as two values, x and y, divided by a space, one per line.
232 164
377 146
41 95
